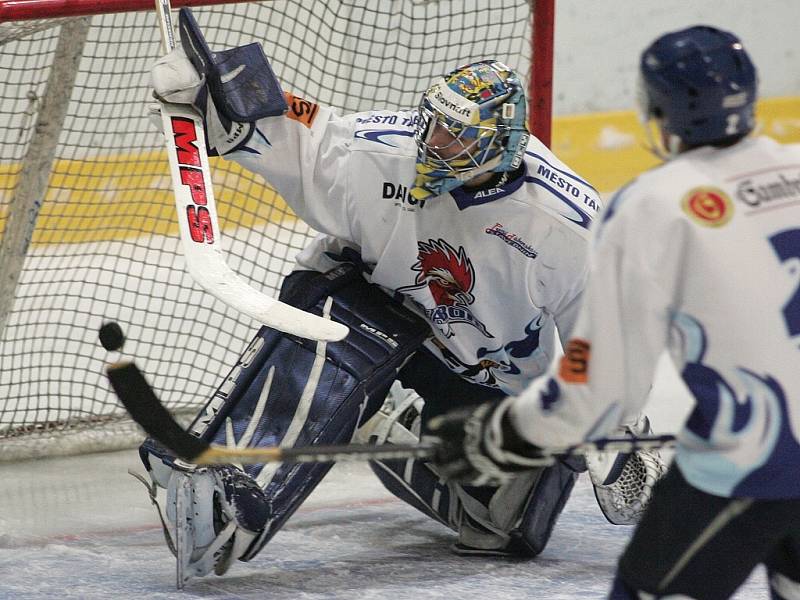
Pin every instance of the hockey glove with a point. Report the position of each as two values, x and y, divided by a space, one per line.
231 89
479 446
175 80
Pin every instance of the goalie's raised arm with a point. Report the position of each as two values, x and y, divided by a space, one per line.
296 145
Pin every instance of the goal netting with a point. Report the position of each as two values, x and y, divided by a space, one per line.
89 232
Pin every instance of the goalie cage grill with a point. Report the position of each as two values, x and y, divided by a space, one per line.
105 243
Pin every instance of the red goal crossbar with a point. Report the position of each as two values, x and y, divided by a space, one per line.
22 10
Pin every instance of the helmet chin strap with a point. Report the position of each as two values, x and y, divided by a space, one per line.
671 143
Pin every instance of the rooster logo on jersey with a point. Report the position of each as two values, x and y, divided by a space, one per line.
448 276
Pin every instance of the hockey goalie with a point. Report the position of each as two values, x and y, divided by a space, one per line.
453 245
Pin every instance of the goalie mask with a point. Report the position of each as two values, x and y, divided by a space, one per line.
471 121
700 86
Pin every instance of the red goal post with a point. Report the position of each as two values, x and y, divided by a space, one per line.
88 223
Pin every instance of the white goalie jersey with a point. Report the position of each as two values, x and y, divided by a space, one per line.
700 256
494 270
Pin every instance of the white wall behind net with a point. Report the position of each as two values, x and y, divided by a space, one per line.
597 45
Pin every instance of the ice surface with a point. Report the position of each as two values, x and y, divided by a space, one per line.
82 528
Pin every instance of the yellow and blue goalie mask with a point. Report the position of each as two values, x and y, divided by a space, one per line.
471 121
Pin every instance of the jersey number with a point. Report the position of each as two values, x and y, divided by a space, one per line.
787 246
732 124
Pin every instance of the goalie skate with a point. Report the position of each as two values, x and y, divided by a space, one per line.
213 515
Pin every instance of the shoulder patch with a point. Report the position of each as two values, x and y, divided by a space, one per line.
574 365
301 110
708 206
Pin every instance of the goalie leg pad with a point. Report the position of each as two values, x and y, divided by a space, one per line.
623 482
545 503
292 392
399 422
514 519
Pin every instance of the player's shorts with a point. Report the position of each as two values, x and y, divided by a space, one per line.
701 546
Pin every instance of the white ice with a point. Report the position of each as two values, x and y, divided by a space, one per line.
82 528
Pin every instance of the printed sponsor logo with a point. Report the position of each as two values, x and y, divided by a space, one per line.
383 118
574 365
770 190
379 334
437 97
564 184
301 110
399 194
380 119
520 152
239 130
708 206
489 193
512 239
184 131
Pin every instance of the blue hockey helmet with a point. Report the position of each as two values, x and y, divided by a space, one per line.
701 86
471 121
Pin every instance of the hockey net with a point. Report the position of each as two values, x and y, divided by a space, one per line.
105 243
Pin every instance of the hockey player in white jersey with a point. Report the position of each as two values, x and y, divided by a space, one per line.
453 244
699 256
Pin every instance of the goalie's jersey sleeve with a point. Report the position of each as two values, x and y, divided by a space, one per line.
700 256
495 271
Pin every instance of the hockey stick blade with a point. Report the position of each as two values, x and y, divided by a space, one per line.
141 402
139 399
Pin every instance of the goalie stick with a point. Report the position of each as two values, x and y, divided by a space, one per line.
145 408
201 236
